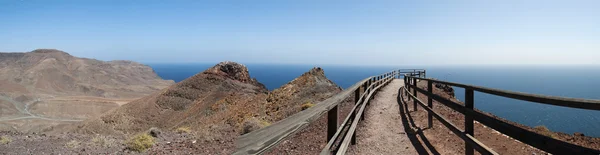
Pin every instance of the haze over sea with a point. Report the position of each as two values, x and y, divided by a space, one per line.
565 81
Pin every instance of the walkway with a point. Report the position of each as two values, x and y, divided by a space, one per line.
382 131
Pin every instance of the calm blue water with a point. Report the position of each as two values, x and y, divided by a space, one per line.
566 81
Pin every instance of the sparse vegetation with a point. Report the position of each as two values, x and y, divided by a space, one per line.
264 123
544 131
140 142
73 144
307 105
103 141
252 124
5 140
183 129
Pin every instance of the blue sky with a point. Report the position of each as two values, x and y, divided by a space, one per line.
309 32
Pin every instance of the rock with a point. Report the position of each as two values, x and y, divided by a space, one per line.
154 132
448 89
231 70
579 134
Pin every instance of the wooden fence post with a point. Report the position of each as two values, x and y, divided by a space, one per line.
369 85
406 85
356 98
430 103
365 86
415 93
367 90
469 100
332 125
409 82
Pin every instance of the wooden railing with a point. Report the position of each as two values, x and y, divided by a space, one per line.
264 139
345 135
536 140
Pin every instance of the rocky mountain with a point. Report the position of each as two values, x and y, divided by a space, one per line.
218 105
49 71
47 87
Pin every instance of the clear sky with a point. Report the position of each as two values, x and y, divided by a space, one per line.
391 32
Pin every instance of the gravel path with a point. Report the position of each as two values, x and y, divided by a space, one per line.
382 131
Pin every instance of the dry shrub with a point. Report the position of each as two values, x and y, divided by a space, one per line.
183 130
264 123
140 142
103 141
5 140
253 124
544 131
73 144
307 105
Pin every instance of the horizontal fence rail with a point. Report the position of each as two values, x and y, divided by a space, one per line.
536 140
457 131
264 139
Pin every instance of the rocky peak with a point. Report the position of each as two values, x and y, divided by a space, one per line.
318 71
231 70
315 76
51 53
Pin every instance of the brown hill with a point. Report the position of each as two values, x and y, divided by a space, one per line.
49 71
46 87
218 105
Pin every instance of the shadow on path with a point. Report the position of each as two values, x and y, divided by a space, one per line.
409 124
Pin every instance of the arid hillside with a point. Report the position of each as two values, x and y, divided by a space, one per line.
45 88
49 71
215 107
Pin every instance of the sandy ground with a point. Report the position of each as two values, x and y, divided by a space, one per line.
382 130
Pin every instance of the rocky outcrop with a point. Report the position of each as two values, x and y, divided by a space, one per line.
446 88
232 70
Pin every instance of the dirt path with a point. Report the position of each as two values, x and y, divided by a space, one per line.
382 131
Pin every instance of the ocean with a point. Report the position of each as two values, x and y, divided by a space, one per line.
565 81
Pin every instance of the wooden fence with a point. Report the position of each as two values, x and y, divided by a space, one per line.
536 140
339 138
345 134
264 139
